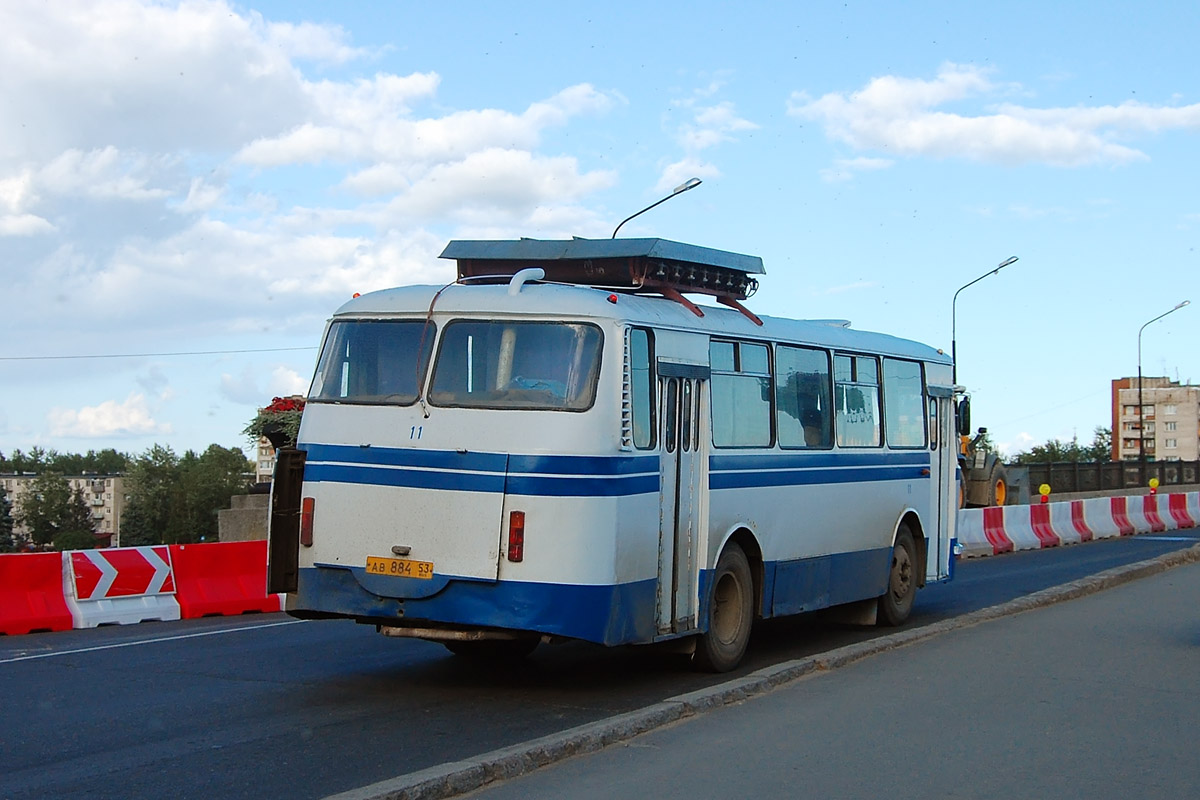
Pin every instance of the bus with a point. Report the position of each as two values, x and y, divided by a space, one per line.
562 445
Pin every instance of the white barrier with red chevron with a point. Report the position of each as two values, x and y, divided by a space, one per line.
1034 527
119 586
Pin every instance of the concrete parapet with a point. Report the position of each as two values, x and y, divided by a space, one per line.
245 520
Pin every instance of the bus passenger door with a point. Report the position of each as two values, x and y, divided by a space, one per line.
943 504
684 475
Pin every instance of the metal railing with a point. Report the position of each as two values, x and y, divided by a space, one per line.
1072 476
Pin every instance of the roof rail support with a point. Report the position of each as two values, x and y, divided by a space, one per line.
520 277
672 294
726 300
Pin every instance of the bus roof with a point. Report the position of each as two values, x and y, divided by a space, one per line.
548 300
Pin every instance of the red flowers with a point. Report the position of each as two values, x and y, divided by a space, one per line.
279 404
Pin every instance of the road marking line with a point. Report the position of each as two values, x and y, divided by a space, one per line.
148 641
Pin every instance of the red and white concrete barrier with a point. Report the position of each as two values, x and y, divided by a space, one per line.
1067 520
1179 509
991 531
119 586
1144 514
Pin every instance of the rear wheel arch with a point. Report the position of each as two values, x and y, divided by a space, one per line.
745 539
912 520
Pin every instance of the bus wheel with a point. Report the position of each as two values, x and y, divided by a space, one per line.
730 614
896 603
493 649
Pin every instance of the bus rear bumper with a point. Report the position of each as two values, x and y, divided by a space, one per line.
605 614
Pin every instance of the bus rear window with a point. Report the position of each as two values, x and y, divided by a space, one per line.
373 361
536 365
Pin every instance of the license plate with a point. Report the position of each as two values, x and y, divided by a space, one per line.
399 567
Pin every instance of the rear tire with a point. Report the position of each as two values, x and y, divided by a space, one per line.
730 614
896 603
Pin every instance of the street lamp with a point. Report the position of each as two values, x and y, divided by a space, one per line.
680 189
1141 407
954 314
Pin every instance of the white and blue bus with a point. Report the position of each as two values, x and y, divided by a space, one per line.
561 445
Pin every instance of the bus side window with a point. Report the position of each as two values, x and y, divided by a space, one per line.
903 403
685 425
856 400
933 423
740 392
671 410
641 379
803 403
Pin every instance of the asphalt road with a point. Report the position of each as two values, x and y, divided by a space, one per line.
1093 698
264 706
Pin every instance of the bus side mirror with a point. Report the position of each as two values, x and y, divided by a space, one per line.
962 416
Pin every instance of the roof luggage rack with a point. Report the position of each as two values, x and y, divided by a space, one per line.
634 265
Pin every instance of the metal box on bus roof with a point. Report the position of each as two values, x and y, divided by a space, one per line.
637 264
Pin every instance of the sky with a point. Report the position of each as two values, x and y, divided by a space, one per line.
188 190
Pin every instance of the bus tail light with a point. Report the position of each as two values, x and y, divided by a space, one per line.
516 536
306 520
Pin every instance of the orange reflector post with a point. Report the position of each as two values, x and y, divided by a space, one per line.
516 536
306 521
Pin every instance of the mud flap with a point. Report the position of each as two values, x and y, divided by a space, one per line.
283 534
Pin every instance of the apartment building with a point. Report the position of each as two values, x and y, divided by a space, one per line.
1167 425
264 462
104 494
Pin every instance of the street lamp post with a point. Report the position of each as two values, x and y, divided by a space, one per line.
1142 408
954 316
687 185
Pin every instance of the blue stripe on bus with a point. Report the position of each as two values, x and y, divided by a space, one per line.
828 458
410 478
609 614
554 476
405 457
558 486
814 477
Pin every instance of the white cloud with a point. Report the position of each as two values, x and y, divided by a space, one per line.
708 124
195 238
109 419
23 225
145 76
844 168
248 387
679 172
905 116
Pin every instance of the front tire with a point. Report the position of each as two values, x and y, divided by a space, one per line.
730 613
896 603
998 486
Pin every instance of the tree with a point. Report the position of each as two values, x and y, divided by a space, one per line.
8 544
55 516
1055 451
44 507
175 500
151 483
205 484
77 530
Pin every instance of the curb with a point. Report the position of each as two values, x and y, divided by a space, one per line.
459 777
